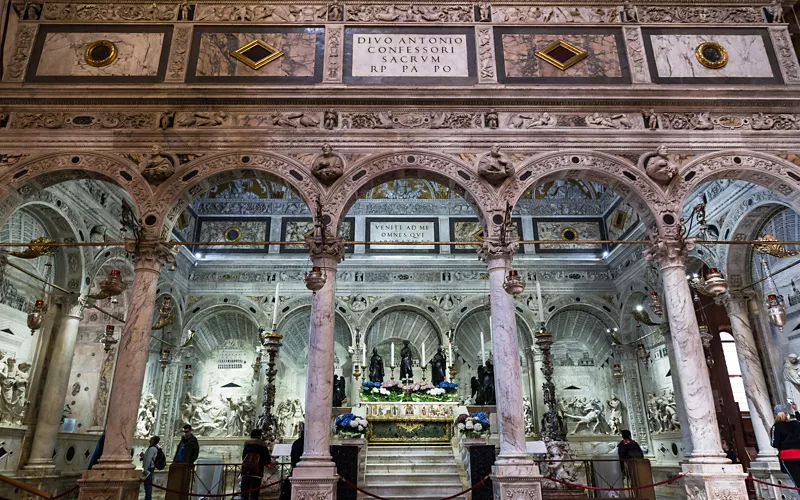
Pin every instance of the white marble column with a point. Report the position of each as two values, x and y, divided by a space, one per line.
54 393
514 474
315 475
708 470
755 385
115 473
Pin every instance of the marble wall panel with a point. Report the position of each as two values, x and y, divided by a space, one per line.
553 230
216 230
297 229
520 60
675 56
620 220
139 54
299 54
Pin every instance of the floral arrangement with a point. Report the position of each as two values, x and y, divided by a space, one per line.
475 425
421 393
351 426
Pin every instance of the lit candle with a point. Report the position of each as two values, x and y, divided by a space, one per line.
363 354
450 353
275 307
423 361
490 327
392 359
539 300
483 353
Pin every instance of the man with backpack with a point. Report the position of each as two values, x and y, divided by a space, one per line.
628 449
154 458
255 456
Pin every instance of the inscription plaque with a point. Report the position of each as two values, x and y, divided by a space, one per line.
410 55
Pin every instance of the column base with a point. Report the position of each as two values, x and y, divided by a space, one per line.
771 473
714 481
518 481
110 484
40 466
314 482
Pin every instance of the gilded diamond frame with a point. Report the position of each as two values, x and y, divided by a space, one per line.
238 54
580 54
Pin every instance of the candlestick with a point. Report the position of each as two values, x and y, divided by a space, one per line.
275 307
392 357
364 354
491 329
392 367
539 300
483 353
450 353
424 359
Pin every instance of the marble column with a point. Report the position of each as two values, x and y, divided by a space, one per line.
514 474
315 475
115 476
709 473
54 393
755 385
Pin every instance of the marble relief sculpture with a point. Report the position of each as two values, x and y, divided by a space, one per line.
227 417
495 166
791 374
527 413
290 416
658 166
775 10
615 418
13 391
589 414
156 166
328 166
662 413
607 120
146 419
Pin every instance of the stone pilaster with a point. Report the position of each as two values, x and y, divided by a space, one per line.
48 421
709 473
514 475
115 476
315 476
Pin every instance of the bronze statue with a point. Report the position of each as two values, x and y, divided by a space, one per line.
438 367
406 363
339 394
375 366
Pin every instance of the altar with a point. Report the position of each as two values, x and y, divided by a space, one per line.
410 422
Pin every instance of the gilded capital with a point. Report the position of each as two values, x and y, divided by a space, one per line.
149 254
669 252
495 248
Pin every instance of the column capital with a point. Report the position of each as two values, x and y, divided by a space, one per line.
149 254
328 249
670 252
73 305
734 302
495 248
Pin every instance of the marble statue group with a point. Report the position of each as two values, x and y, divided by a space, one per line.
225 417
13 391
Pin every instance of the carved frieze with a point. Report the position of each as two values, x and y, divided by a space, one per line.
177 59
333 55
109 12
728 121
22 51
407 13
786 54
486 72
711 15
104 120
554 15
390 120
261 13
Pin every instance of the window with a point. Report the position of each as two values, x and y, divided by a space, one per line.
734 371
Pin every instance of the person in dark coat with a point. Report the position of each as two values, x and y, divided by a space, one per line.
785 436
188 449
628 449
98 451
255 456
294 456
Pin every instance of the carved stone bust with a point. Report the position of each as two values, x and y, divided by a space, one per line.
495 166
328 166
658 166
157 166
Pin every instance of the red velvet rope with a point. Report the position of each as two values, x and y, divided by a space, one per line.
633 488
751 478
348 483
220 495
66 492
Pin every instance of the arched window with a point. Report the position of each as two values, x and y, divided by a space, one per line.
734 371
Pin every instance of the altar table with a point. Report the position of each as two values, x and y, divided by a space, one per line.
410 422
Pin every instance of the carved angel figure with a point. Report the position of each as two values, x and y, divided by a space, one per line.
495 166
615 418
328 166
775 10
146 418
618 121
658 166
202 119
155 166
629 13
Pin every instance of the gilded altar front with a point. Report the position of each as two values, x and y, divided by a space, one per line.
409 422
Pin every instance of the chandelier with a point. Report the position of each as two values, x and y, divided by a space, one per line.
108 339
655 303
165 317
315 279
110 287
163 361
643 355
513 284
187 372
36 315
617 372
776 307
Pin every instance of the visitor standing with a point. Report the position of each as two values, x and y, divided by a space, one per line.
188 449
255 456
785 436
98 451
628 449
149 465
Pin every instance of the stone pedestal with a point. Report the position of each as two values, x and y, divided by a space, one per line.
714 481
110 484
516 481
314 481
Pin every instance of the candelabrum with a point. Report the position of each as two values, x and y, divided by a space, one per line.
452 372
551 431
272 343
392 367
424 369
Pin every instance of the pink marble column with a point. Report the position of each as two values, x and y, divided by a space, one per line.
115 473
755 385
54 393
315 475
709 473
514 474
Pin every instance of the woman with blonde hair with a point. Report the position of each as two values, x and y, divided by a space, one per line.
785 436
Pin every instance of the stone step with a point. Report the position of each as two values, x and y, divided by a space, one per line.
410 451
418 478
413 467
413 490
410 459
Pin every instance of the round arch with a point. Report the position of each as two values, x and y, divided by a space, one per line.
221 329
200 175
207 305
291 307
425 308
295 328
39 172
759 168
374 170
580 324
616 173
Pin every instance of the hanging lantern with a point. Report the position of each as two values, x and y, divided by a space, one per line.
36 315
165 310
705 336
715 284
187 372
655 303
108 339
315 279
776 310
257 364
643 355
709 361
513 284
617 372
110 287
164 360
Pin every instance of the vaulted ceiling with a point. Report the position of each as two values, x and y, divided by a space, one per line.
399 325
295 335
468 336
584 327
226 325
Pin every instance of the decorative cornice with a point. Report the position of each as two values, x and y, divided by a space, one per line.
149 255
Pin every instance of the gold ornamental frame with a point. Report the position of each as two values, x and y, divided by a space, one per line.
238 54
708 63
99 63
232 228
410 422
579 56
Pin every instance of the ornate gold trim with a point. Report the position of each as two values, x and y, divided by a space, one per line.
580 54
564 234
99 63
238 54
232 228
708 63
444 438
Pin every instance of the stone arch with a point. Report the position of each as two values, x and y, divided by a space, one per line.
759 168
588 303
198 319
199 175
200 310
425 308
380 168
465 314
39 172
296 330
580 329
616 173
289 308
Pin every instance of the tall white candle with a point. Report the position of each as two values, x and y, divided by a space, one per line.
363 354
539 299
450 353
491 328
392 360
483 352
424 360
275 306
